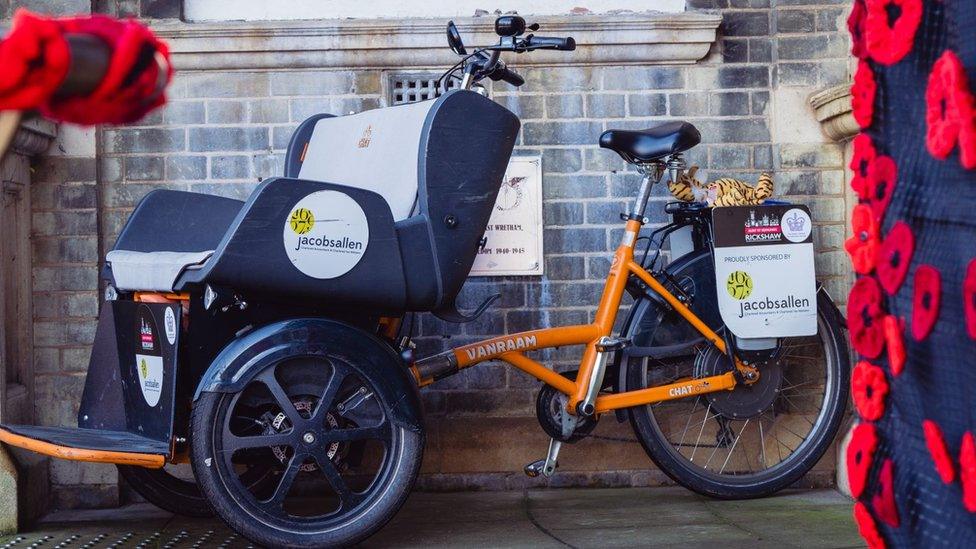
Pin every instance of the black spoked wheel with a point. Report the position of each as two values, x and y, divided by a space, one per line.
172 488
306 455
754 440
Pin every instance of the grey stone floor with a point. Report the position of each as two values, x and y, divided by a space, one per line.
630 517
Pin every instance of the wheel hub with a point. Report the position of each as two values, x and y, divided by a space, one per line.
280 424
744 401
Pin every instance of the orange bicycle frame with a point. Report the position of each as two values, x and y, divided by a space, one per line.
511 348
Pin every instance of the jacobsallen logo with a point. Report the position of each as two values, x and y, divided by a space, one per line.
302 220
739 285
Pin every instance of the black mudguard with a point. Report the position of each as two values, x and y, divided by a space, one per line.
243 358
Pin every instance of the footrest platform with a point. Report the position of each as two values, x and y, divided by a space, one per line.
77 444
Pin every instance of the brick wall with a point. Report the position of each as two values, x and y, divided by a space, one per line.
223 132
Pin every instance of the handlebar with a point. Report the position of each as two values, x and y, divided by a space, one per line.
485 62
549 43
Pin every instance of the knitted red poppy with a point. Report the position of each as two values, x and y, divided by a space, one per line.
949 111
889 28
863 245
859 454
967 471
861 159
869 386
34 42
893 328
862 94
925 304
883 501
969 298
855 25
867 528
937 449
882 177
895 257
865 317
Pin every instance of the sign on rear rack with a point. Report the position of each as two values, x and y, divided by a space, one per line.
764 270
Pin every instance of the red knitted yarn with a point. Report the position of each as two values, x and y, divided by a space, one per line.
882 177
889 41
863 245
893 328
883 501
949 111
855 25
969 298
34 42
925 303
859 454
867 528
861 160
862 94
865 317
895 257
937 449
869 387
967 471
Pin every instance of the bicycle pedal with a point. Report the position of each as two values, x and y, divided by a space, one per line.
535 468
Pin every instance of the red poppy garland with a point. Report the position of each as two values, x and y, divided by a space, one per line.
935 442
925 302
969 298
862 94
861 160
867 528
884 501
865 317
860 452
855 25
889 28
882 176
949 112
895 257
967 471
863 244
870 387
893 328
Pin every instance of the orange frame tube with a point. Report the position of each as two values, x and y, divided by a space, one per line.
511 348
150 461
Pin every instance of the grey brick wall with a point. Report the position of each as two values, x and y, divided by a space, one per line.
222 132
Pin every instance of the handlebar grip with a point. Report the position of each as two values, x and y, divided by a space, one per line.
511 77
552 43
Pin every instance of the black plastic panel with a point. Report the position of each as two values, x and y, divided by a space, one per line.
177 221
114 398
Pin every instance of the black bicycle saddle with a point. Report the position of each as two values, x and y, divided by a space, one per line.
639 146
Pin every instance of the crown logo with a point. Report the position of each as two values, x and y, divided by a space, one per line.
796 223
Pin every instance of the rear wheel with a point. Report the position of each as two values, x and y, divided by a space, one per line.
336 467
751 441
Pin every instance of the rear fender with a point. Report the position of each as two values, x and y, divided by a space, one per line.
243 358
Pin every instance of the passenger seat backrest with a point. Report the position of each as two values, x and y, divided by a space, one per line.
375 150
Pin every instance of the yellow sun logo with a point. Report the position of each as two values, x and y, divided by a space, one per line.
144 369
739 285
302 220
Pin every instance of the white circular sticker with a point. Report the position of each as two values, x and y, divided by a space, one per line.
326 234
796 225
169 322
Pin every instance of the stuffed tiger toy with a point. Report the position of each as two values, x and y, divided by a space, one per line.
721 192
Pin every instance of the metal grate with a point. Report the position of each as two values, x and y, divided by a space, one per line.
410 88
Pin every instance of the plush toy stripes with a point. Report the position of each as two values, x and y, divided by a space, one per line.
721 192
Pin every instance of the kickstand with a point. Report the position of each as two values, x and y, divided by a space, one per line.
545 466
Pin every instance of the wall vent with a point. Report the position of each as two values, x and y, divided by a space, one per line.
412 87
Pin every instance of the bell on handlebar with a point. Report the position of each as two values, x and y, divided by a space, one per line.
509 25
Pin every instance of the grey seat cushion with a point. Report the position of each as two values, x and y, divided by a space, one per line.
152 271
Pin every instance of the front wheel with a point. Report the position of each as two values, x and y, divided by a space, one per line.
308 454
754 440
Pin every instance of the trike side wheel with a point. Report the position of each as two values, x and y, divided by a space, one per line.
167 490
335 464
